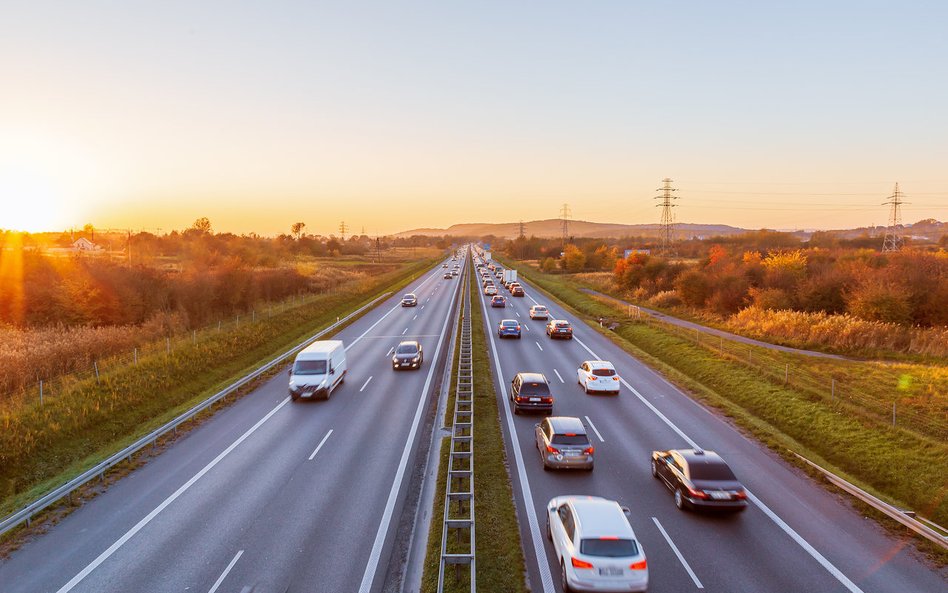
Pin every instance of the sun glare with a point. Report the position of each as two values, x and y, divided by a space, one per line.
30 202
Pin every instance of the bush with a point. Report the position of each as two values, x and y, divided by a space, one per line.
548 265
693 288
666 298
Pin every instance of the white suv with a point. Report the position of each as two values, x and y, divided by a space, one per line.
598 376
595 545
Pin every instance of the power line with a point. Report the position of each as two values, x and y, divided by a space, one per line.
564 214
668 218
893 240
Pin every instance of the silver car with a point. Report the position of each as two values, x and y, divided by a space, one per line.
563 444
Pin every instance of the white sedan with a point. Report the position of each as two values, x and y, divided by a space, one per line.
598 376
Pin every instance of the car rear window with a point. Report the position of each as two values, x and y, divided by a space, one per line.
604 372
567 439
309 367
406 349
609 548
510 324
563 324
540 309
710 471
532 388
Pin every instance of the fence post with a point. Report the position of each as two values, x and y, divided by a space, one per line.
238 321
218 326
786 375
194 336
893 413
833 388
168 344
721 345
136 355
95 365
253 315
41 392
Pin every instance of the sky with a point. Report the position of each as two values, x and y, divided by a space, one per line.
394 115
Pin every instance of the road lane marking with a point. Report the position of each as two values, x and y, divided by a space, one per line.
145 521
558 376
404 330
390 311
221 578
368 577
681 558
595 430
527 327
851 586
416 315
422 309
321 443
546 579
361 389
538 345
518 313
390 350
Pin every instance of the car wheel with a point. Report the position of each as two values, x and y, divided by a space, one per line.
294 397
518 337
564 582
549 532
516 411
654 470
679 500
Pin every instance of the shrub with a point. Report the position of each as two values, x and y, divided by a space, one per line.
693 288
666 298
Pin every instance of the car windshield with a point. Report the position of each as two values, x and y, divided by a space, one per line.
540 309
604 372
533 388
309 367
609 548
409 297
562 324
509 323
710 471
407 349
570 439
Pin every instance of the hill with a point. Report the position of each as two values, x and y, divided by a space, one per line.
577 228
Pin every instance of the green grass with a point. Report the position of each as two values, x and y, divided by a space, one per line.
499 554
904 467
42 446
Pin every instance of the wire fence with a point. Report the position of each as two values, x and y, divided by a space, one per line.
897 410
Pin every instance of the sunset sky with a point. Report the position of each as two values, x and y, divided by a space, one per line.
394 115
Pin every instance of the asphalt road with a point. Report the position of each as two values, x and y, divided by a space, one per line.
267 495
795 536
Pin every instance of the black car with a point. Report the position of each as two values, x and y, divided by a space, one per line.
531 391
408 355
448 276
409 300
700 479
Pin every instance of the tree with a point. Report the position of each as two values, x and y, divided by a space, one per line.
693 288
297 229
573 259
548 265
201 226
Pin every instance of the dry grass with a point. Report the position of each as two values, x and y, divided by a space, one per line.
841 332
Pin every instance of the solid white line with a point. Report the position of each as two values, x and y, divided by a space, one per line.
404 330
221 578
141 524
538 345
677 553
595 430
320 445
374 556
558 375
546 579
361 389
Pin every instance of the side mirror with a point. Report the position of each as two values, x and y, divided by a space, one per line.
332 371
289 372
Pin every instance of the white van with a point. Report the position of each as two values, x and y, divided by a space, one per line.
318 369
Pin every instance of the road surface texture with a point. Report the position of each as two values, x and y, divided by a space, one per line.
794 536
267 495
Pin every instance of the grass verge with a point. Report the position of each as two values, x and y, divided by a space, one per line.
903 467
42 446
500 562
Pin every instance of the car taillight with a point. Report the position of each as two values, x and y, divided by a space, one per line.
577 563
518 398
640 565
518 328
615 378
548 400
552 449
740 494
589 450
696 493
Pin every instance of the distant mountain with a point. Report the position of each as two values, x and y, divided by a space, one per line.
553 227
928 229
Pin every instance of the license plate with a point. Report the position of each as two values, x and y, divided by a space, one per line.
405 364
611 571
720 495
534 399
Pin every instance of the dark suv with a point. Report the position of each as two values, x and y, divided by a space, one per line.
563 443
531 391
699 479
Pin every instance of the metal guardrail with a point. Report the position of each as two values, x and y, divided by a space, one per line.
899 515
459 486
27 512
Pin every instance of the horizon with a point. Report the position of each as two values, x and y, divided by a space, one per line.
146 117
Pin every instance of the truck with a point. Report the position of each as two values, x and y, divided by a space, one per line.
318 369
509 276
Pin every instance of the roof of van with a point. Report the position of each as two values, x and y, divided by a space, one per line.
322 346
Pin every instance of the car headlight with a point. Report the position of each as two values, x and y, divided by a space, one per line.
395 359
417 358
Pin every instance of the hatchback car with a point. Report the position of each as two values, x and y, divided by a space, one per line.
598 376
700 479
408 355
539 312
490 290
508 328
498 301
563 443
595 545
531 391
409 300
559 328
516 290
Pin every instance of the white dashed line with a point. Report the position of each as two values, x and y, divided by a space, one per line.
416 316
404 330
221 578
595 430
320 445
361 389
557 374
390 350
538 346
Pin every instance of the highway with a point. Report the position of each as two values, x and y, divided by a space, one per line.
795 536
267 495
